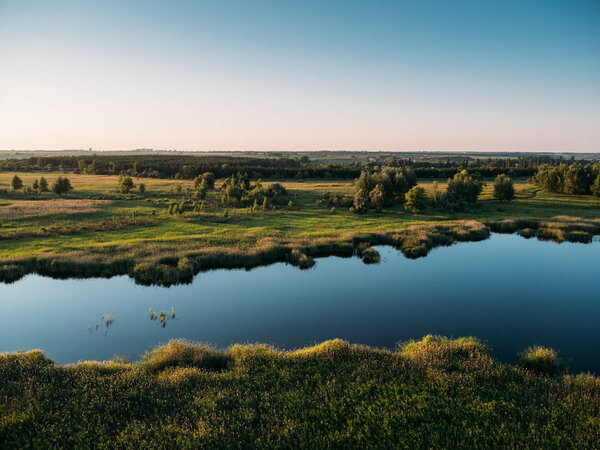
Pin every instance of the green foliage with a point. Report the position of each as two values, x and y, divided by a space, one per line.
237 191
381 188
504 189
142 188
572 179
61 186
416 199
16 183
465 188
125 183
433 393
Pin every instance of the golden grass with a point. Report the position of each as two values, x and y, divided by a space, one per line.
29 208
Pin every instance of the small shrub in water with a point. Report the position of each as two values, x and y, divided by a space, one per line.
370 256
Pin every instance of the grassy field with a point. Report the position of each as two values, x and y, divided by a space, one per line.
95 225
434 393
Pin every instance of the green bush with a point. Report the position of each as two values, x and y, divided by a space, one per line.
370 256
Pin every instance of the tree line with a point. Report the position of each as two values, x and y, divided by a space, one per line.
224 166
60 185
572 179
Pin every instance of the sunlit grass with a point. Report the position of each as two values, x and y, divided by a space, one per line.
433 393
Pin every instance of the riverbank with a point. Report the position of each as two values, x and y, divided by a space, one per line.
431 393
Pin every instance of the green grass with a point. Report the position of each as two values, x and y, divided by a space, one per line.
428 394
109 233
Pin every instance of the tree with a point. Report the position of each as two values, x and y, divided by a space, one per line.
61 186
416 199
377 197
125 183
504 189
43 185
364 184
35 185
596 187
209 180
464 187
16 183
142 188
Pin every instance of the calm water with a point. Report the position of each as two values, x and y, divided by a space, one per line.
508 291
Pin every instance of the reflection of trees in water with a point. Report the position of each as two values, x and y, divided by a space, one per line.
163 317
105 323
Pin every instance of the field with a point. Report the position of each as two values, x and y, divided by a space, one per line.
97 231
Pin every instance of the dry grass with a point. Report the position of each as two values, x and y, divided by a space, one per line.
31 208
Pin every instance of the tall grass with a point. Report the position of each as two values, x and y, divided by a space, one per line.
433 393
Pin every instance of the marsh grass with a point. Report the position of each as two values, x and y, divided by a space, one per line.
542 360
558 229
433 393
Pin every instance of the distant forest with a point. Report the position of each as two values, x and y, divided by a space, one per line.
183 166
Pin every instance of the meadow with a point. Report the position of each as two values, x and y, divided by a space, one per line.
97 231
433 393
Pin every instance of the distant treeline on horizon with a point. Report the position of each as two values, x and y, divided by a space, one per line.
304 165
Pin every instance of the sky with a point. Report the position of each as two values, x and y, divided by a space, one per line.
300 75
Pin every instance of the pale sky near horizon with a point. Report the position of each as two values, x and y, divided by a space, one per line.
300 75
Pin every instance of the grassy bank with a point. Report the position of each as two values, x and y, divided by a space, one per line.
97 231
431 393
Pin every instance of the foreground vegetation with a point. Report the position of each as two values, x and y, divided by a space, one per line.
427 394
163 231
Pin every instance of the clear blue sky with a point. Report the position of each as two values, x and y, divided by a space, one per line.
300 75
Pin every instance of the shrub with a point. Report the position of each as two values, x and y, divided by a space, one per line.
125 183
301 260
504 189
360 205
370 256
541 360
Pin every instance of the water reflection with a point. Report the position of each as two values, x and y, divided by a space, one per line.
510 292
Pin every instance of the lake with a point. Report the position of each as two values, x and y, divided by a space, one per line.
508 291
